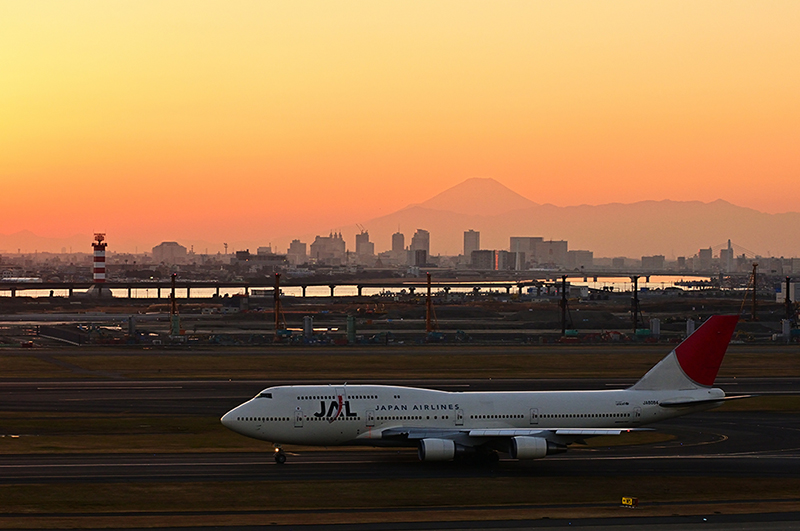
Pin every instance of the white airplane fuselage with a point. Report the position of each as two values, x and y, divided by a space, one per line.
305 414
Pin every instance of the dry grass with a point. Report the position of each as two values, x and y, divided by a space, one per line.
293 502
93 433
419 362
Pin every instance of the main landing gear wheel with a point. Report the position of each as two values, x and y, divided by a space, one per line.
280 457
487 458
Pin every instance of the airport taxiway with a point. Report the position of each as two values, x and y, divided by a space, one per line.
718 444
713 443
215 397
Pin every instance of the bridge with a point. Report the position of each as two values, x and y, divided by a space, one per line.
533 278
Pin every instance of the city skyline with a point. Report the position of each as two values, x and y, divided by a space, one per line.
209 121
501 214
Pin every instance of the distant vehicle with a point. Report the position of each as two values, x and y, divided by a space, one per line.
21 280
262 293
525 424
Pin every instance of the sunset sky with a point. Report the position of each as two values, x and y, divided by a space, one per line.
225 120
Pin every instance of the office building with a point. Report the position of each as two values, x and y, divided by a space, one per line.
296 253
580 259
421 241
550 253
365 249
653 263
329 250
482 259
169 253
398 242
472 242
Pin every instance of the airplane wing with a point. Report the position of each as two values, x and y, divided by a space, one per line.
433 433
583 432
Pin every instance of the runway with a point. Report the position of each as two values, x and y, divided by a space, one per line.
731 446
215 397
712 444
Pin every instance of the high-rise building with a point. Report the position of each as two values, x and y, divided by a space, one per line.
330 250
296 253
365 249
493 260
551 252
525 249
505 260
398 242
421 241
397 254
472 242
482 259
705 258
419 258
726 258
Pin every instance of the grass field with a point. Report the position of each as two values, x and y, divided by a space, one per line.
293 502
348 363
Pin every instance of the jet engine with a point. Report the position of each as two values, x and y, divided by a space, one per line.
436 450
528 447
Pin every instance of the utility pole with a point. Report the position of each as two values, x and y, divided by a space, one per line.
563 305
277 299
754 314
635 303
428 308
175 323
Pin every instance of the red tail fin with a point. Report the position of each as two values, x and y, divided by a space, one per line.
700 354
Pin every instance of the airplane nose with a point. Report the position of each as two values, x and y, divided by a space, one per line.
229 420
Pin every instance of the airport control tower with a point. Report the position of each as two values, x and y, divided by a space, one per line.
99 262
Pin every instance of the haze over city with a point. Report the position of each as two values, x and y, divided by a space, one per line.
211 122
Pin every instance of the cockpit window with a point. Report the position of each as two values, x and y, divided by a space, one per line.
264 395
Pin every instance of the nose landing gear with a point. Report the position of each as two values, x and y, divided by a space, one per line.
280 457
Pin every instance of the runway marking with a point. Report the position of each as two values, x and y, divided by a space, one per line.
139 398
339 462
103 388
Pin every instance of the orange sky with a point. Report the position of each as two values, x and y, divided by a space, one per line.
162 120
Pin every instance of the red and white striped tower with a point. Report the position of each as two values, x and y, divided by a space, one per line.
99 265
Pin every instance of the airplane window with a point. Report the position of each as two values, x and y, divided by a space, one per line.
265 395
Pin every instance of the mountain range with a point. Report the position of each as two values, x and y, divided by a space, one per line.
669 228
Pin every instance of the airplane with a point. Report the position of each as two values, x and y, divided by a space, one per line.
446 425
